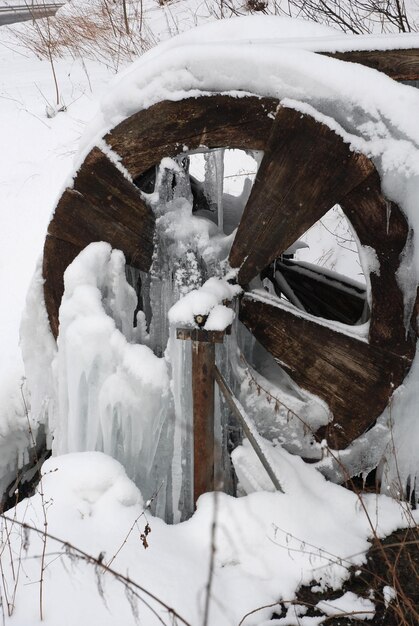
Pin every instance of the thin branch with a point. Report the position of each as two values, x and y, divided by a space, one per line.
88 558
212 560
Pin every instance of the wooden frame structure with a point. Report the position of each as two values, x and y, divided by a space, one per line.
355 377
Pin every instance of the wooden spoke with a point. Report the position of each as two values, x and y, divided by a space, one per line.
306 169
102 206
354 378
168 128
323 293
105 206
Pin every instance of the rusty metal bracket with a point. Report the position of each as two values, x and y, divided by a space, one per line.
200 334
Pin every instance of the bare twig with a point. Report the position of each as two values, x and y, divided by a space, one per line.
98 562
213 550
134 524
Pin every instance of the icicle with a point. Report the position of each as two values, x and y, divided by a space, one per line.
141 335
388 214
214 173
219 175
179 355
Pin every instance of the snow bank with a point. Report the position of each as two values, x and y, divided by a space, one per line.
286 32
266 546
35 159
15 425
349 605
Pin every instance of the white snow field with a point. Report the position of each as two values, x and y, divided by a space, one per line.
113 399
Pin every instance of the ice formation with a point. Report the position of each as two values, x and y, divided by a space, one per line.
124 389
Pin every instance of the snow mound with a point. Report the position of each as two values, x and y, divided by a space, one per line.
206 301
88 484
266 546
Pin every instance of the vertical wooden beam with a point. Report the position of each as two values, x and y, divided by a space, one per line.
203 383
203 364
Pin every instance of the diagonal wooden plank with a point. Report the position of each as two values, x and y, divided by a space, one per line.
354 378
306 169
102 206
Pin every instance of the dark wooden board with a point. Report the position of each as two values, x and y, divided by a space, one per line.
306 169
202 335
322 295
354 378
168 128
105 206
398 64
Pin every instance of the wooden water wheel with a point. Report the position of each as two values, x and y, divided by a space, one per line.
306 170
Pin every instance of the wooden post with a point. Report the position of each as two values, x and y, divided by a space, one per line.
203 362
203 368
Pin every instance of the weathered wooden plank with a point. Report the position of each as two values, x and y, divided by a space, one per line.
105 206
398 64
354 378
380 225
306 169
168 128
203 363
58 255
321 294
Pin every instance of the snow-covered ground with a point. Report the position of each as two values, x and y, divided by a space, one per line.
265 545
